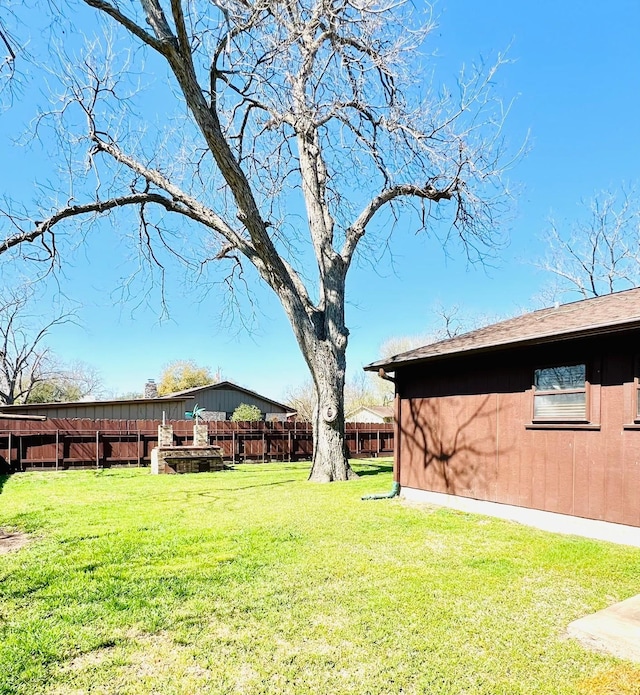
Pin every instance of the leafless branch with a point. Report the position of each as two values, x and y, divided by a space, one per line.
24 359
600 253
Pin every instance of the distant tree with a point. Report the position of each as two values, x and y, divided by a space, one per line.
67 383
597 254
129 396
308 126
54 390
25 360
185 374
302 399
448 321
246 413
358 390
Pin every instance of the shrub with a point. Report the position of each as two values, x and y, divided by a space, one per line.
246 413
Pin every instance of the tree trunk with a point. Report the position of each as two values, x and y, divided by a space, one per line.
330 453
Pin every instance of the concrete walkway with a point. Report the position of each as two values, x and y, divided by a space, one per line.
547 521
615 630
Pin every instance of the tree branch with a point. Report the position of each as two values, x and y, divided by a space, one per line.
129 24
357 230
98 206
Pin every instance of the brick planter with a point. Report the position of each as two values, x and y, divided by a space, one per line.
186 459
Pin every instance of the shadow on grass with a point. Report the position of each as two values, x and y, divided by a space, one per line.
249 487
3 480
365 468
214 494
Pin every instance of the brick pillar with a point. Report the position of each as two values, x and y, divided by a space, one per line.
200 435
165 435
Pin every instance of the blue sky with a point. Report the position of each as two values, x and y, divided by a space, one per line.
575 77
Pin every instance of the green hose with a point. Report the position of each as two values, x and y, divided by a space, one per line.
395 491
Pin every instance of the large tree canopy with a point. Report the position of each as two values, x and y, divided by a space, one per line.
308 124
184 374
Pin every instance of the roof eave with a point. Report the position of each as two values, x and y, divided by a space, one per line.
494 347
76 404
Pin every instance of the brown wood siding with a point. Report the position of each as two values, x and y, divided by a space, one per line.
466 428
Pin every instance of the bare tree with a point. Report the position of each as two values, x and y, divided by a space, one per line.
359 390
597 255
312 123
302 399
66 382
25 361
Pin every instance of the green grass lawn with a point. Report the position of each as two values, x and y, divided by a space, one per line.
255 581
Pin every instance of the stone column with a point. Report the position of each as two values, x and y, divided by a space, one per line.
165 439
165 435
201 435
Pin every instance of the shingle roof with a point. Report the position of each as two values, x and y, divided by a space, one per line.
609 313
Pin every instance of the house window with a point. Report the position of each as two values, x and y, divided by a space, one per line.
560 393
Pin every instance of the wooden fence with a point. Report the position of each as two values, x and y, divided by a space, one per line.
62 444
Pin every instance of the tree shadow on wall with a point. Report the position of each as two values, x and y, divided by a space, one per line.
454 443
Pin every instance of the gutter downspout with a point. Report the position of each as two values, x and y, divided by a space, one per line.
396 439
395 491
395 488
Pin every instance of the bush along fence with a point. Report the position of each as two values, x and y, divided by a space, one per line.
58 444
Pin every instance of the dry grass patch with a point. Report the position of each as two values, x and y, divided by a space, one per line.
12 540
141 664
621 680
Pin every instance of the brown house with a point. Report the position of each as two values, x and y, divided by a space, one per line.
540 412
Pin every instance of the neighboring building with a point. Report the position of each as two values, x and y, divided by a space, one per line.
221 399
218 400
540 411
129 409
371 413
